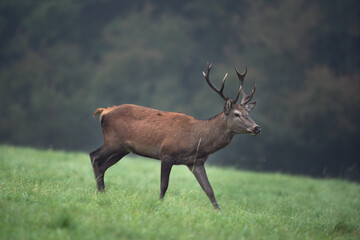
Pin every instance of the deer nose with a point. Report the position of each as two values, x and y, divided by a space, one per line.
257 129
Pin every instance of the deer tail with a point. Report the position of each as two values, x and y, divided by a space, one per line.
99 110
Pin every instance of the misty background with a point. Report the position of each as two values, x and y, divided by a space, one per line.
60 60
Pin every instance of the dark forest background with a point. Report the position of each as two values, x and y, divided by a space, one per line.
60 60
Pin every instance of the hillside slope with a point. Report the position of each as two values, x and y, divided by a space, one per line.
52 195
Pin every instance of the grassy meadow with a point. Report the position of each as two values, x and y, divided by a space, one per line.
47 194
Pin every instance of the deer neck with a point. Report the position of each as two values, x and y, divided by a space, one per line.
214 134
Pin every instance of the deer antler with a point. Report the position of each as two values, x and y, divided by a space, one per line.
219 91
245 98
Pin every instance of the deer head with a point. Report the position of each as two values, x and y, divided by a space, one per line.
236 115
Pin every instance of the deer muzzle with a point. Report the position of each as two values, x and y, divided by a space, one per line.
255 130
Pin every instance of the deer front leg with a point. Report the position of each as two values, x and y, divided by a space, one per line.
166 166
200 174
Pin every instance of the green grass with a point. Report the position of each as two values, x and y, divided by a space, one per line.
52 195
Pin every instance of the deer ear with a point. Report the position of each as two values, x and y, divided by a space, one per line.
250 106
227 107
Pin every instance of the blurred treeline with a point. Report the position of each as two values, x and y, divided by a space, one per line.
60 60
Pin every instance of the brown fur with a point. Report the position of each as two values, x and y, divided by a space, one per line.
155 133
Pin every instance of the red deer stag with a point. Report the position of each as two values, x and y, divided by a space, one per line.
174 138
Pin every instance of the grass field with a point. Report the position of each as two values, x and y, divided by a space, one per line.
52 195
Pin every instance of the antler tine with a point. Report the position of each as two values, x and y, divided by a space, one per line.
223 82
237 95
245 98
241 76
220 92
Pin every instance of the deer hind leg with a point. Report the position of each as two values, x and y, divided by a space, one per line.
101 160
97 159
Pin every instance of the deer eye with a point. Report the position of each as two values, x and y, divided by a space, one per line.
237 115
